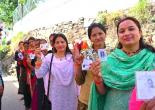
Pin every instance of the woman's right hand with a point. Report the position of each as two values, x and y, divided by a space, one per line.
38 53
38 56
78 58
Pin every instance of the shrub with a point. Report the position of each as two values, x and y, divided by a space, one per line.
4 51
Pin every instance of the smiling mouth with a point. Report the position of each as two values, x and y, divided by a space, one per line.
98 40
60 47
128 38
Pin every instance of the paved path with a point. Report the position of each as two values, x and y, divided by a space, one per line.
11 100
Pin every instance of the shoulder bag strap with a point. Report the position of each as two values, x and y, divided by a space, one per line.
49 76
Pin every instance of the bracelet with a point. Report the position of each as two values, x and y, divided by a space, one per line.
98 82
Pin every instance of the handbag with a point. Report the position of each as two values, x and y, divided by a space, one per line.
46 102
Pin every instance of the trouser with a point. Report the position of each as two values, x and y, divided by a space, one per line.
22 80
27 95
18 72
41 93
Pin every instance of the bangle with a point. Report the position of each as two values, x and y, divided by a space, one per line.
97 82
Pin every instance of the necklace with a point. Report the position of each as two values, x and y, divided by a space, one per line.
131 53
59 57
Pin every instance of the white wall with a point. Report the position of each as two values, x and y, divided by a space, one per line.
56 11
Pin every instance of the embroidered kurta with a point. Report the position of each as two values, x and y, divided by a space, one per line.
63 91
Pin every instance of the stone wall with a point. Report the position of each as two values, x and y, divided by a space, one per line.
72 29
78 30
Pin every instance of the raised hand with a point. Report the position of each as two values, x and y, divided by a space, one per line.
38 56
78 58
38 53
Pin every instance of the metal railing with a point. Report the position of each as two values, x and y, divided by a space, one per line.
23 10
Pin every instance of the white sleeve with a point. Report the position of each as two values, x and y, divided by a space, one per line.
43 70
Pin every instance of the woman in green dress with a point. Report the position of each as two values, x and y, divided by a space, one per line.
115 78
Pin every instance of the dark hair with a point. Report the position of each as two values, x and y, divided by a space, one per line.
31 38
94 25
1 29
41 40
26 42
53 34
51 41
64 37
37 42
20 42
141 41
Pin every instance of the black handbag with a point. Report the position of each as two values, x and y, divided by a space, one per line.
46 102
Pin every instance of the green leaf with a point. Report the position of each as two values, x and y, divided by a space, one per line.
6 9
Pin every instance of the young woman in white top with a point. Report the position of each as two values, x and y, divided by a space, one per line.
63 93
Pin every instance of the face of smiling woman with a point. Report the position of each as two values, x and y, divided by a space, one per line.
128 33
60 44
97 37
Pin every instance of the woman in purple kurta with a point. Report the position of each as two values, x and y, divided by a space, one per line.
63 89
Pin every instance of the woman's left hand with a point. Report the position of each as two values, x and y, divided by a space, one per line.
149 105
